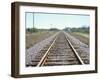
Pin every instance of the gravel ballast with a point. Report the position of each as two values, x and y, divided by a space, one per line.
33 51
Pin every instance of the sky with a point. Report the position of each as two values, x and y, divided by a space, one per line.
60 21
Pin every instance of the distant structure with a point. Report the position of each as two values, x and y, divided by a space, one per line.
69 29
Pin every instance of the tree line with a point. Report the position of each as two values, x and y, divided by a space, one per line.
80 29
33 30
83 29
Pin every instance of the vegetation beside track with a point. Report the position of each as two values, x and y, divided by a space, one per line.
83 37
84 29
34 35
81 33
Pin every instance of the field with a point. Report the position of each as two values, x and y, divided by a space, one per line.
83 37
83 34
33 38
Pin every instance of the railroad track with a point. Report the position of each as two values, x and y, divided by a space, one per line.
60 51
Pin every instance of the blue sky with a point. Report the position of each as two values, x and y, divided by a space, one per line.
60 21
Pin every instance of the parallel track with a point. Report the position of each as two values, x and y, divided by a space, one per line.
59 52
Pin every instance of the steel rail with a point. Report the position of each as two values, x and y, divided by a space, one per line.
76 53
42 61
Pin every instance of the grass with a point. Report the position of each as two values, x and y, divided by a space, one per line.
82 34
83 37
33 38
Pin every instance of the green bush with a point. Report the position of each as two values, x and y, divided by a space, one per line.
53 29
81 29
32 30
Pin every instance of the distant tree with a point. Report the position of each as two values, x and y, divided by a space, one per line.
32 30
83 29
67 29
53 29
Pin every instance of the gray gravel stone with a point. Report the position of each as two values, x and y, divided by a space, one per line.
33 51
82 46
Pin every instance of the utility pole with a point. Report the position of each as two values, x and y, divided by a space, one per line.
33 19
51 25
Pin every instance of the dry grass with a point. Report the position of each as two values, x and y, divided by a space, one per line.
83 37
33 38
83 34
